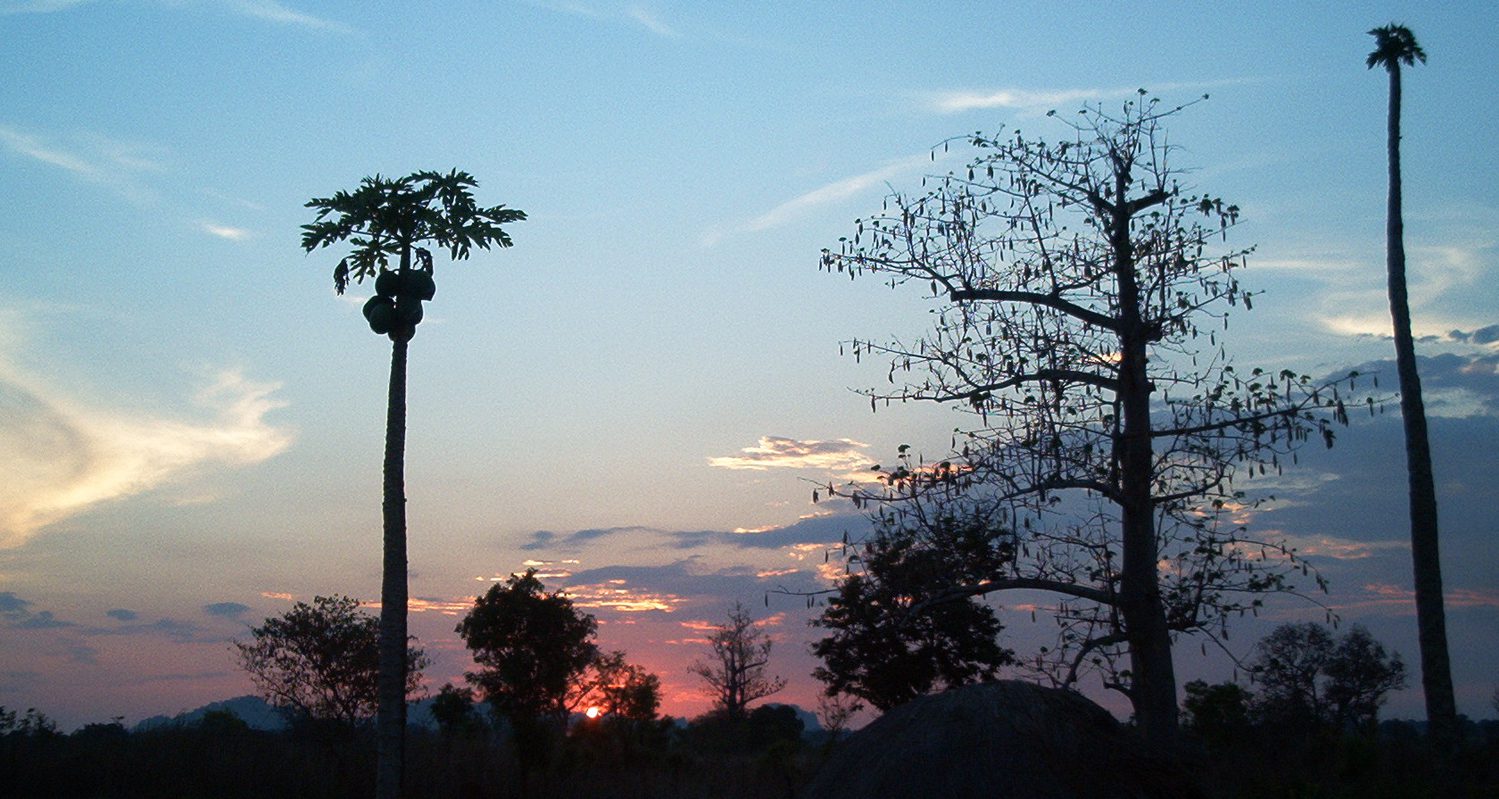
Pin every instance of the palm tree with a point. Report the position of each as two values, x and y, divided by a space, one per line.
388 219
1396 45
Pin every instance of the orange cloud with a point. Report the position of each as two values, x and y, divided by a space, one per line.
776 452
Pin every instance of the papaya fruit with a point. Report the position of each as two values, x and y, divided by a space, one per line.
387 283
409 311
418 284
374 302
382 317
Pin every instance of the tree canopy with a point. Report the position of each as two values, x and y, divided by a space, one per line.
320 661
532 649
887 644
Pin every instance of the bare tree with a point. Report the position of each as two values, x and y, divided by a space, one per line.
1084 297
736 673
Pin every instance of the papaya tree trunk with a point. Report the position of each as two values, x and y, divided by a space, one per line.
390 719
1426 563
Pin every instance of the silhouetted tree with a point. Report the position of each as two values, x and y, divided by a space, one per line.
1218 713
453 710
1309 679
736 673
1396 45
886 651
1359 676
387 219
321 662
1082 300
533 649
1288 667
622 690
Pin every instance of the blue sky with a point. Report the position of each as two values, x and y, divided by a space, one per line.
637 393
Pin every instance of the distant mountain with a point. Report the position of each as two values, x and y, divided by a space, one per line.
252 710
260 715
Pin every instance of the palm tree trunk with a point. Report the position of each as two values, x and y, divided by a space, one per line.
1436 669
391 706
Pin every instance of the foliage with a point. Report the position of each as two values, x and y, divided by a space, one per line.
1082 291
890 643
1217 713
622 690
1308 679
532 648
32 724
453 710
736 674
321 661
756 731
385 217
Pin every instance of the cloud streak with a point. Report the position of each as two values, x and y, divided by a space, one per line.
263 10
836 191
114 164
953 102
66 455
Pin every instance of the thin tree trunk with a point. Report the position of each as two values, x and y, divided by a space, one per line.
391 717
391 706
1436 669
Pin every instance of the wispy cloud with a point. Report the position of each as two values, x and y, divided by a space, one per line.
65 455
953 102
264 10
836 191
272 11
612 12
776 452
1403 600
648 20
38 6
1035 100
92 157
224 231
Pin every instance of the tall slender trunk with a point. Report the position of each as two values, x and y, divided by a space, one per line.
1431 621
390 722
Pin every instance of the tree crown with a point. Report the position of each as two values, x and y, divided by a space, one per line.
1394 45
385 218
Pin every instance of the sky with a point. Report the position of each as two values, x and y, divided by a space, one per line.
638 397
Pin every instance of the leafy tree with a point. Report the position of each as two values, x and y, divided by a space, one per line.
1082 292
1309 679
533 650
623 691
1396 45
384 220
1359 675
1288 666
884 652
453 710
1218 713
736 672
321 661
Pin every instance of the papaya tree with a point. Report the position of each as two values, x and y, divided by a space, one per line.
1396 45
386 222
1081 296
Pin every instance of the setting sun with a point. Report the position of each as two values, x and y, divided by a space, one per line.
593 712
